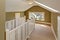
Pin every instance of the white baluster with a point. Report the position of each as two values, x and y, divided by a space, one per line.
7 34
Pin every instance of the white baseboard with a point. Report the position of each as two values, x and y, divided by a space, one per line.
53 32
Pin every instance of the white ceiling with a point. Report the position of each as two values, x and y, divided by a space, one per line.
22 5
55 4
17 5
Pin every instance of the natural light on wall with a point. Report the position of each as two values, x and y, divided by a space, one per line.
17 15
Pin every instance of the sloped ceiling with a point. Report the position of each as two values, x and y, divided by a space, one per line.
21 5
55 4
17 5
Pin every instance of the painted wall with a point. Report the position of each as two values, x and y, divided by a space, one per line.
39 9
12 15
21 14
2 19
54 22
55 4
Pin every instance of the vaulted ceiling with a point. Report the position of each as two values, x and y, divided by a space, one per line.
55 4
17 5
22 5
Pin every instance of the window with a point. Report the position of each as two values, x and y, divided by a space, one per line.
38 15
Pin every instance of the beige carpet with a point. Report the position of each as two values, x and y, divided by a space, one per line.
41 32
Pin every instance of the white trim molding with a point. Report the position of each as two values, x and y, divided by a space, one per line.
47 7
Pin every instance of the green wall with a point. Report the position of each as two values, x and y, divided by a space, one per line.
11 15
39 9
54 21
21 14
2 19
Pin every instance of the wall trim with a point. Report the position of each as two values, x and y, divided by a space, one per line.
47 7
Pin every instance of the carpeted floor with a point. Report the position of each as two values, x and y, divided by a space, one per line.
41 32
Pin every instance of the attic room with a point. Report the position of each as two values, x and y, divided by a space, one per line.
29 20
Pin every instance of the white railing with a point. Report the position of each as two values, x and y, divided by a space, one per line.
20 32
14 23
